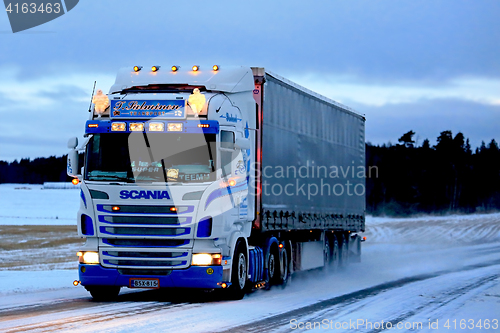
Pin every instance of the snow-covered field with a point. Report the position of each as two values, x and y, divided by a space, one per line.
26 204
428 270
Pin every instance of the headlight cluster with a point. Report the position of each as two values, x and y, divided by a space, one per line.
206 259
88 257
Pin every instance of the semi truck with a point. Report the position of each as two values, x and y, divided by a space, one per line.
227 178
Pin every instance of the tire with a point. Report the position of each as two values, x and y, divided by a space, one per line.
103 293
327 252
273 271
335 255
239 273
284 267
356 258
344 252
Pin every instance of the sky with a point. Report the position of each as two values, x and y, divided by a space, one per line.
426 66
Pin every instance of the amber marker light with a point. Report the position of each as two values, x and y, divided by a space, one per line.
156 127
281 246
76 283
196 68
204 125
137 68
232 182
115 208
215 68
173 209
79 254
175 68
93 125
75 181
120 127
223 285
136 127
155 68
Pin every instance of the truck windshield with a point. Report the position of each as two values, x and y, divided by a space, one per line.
151 157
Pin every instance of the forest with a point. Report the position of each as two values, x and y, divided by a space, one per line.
449 177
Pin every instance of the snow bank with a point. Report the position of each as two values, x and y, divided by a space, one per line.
60 186
476 228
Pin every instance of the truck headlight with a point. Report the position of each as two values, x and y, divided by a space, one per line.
206 259
88 257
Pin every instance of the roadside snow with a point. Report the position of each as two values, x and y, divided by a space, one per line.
27 204
16 282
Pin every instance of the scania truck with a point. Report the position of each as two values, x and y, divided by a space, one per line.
227 178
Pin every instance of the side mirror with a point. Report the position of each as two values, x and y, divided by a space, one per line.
72 143
72 163
243 143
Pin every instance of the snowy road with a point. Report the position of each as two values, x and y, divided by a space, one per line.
407 284
426 274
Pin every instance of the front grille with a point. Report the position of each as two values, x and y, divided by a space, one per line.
145 231
126 254
129 271
144 209
143 220
145 242
145 259
145 263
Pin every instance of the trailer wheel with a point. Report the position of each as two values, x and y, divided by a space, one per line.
331 254
344 252
326 252
335 255
239 273
284 267
103 293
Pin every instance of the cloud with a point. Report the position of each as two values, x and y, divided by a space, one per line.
435 40
39 115
348 88
428 118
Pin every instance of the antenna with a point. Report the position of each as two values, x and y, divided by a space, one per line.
91 97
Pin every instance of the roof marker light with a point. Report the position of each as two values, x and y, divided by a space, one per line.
174 127
137 68
155 68
136 127
215 68
175 68
196 68
156 127
118 127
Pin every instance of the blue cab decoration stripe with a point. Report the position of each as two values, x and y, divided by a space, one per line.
226 191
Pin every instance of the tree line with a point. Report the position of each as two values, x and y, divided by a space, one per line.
448 177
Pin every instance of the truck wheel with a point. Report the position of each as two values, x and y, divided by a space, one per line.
344 252
239 273
103 293
273 271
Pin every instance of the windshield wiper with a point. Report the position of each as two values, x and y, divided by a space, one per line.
112 177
